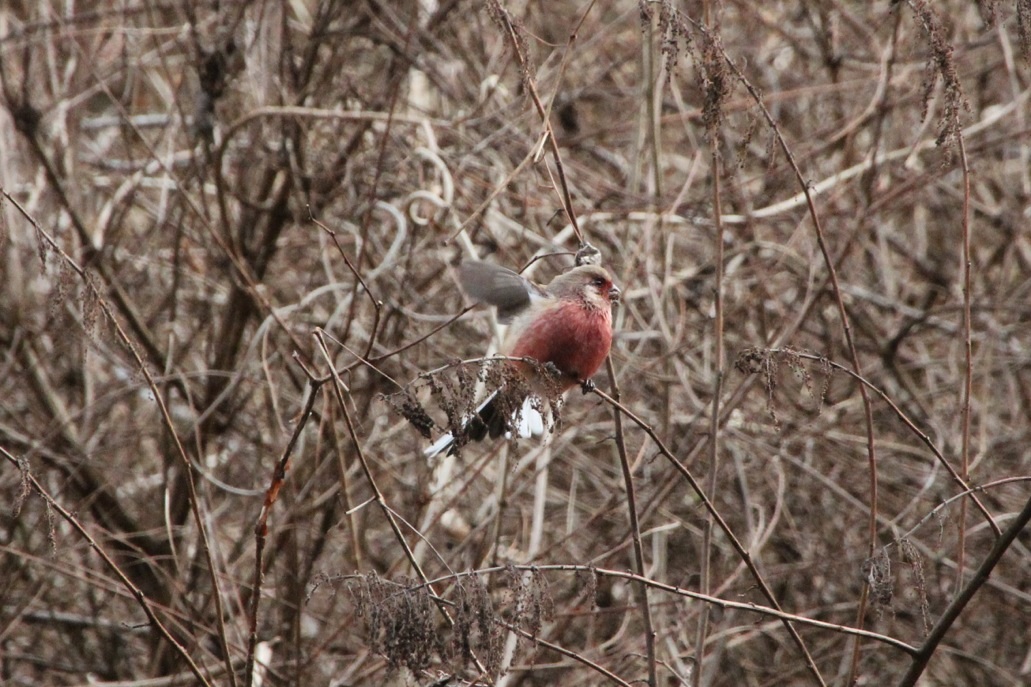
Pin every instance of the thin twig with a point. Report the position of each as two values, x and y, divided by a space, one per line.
166 418
955 608
531 88
261 524
635 526
698 596
922 435
381 501
842 314
135 591
968 366
714 98
710 507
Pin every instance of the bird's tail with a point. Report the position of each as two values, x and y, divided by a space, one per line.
489 420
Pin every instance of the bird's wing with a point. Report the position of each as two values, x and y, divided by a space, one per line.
504 289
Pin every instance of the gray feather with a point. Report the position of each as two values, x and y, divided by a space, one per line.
498 286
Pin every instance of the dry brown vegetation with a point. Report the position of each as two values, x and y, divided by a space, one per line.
229 314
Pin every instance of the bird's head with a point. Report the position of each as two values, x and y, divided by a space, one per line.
590 282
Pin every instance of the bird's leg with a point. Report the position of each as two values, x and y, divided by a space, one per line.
587 386
552 370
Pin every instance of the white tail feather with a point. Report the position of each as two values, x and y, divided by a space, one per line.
531 424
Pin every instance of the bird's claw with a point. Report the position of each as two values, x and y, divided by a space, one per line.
587 386
552 369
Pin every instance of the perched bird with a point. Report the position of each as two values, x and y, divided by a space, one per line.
565 326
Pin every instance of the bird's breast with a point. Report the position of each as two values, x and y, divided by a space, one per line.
574 337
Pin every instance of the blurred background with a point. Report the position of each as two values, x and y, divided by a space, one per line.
209 207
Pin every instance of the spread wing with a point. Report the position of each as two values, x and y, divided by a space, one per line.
500 287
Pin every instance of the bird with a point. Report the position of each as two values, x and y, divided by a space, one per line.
564 327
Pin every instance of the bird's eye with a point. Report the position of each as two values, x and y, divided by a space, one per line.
598 281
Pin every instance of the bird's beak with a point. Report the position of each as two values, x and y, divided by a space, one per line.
614 294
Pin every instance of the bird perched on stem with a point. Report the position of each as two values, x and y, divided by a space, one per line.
560 335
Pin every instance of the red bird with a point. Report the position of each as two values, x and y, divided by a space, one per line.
566 326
